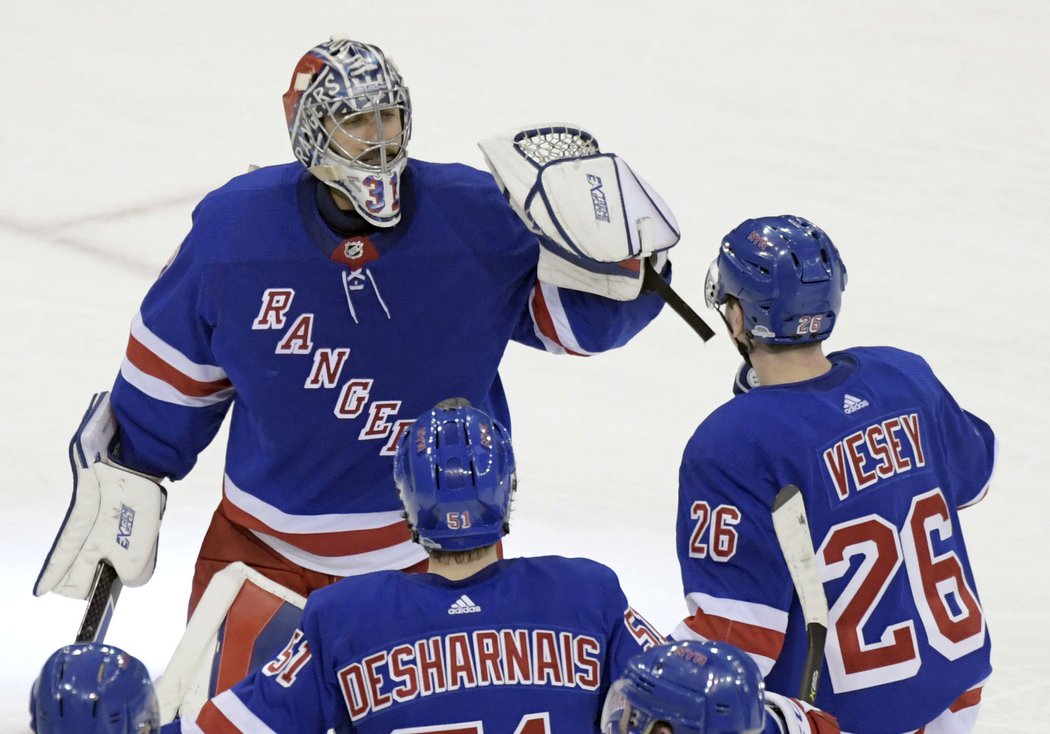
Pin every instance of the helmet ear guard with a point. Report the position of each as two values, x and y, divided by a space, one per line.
333 81
787 275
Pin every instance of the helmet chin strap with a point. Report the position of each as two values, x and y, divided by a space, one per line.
744 347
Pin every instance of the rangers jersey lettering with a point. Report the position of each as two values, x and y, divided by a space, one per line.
379 653
325 347
885 458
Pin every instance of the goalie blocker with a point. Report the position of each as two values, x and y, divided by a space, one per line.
113 517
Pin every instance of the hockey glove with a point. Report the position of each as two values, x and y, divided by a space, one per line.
114 514
797 717
596 219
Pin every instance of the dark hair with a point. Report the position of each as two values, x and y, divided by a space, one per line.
458 557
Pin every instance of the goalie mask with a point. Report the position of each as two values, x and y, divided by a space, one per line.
689 687
454 469
349 120
787 275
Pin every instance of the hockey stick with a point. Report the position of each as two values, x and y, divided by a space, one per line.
653 282
792 529
105 590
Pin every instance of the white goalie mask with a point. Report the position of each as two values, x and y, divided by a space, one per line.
350 119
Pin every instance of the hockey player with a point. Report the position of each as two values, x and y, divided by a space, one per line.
884 458
321 302
477 644
692 687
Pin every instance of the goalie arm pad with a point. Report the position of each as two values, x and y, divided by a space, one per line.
791 716
113 516
596 219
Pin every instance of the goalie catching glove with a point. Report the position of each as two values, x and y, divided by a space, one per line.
114 515
595 217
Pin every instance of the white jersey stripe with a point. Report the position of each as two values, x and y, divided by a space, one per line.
759 615
171 355
285 522
160 390
548 344
402 555
552 297
239 714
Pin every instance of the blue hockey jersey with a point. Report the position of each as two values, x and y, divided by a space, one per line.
884 458
327 346
527 645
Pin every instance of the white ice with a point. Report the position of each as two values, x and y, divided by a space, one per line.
915 132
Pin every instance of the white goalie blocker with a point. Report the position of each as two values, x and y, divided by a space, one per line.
184 687
596 218
114 514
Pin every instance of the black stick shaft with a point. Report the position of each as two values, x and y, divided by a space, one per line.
654 282
815 635
104 593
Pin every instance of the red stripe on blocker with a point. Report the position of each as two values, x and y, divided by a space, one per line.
752 638
141 356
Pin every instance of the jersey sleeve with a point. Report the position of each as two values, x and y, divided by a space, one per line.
734 576
171 394
970 447
629 632
289 693
564 321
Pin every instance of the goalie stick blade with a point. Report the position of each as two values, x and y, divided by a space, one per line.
105 590
653 282
792 529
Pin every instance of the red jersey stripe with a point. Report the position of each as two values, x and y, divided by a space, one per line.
971 698
542 316
752 638
342 543
212 721
141 356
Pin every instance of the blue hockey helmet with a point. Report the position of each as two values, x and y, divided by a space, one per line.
786 274
694 687
454 468
344 90
90 687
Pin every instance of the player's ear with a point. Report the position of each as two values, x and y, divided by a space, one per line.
734 313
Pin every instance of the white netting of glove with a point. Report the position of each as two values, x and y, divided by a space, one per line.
545 144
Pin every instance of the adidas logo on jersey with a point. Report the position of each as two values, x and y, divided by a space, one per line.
851 404
464 605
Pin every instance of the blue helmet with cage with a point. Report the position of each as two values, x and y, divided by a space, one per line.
786 274
454 469
694 687
350 119
89 687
